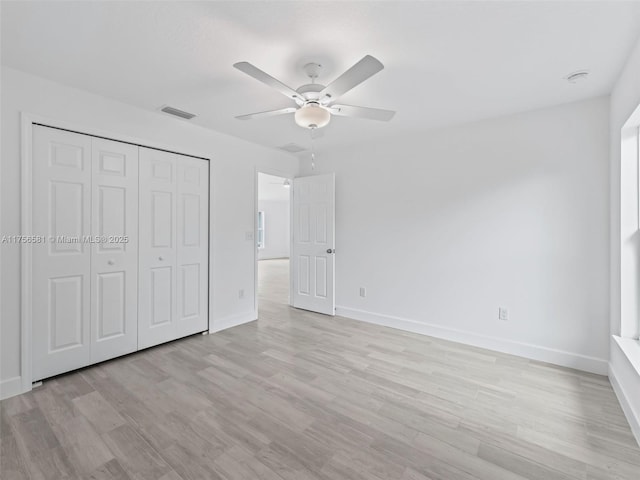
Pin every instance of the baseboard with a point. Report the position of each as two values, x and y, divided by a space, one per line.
624 375
230 321
534 352
632 417
10 387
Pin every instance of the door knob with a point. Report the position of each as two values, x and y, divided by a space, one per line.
160 258
111 262
331 250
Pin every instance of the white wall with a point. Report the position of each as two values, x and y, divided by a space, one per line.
277 229
625 241
234 164
443 227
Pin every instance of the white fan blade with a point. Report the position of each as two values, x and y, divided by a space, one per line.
270 113
365 68
267 79
362 112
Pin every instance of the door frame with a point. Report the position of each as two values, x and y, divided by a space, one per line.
278 173
23 383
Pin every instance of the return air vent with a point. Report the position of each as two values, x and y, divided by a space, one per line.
292 148
176 112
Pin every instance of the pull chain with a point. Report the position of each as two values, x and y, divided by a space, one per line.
313 155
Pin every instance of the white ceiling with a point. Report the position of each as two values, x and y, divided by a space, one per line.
446 62
271 187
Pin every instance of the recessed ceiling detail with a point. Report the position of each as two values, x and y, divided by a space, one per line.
577 77
292 148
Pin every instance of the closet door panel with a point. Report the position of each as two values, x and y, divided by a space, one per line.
157 256
174 238
161 291
193 248
114 250
61 265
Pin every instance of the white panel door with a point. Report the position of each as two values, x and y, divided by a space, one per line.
61 266
114 250
173 249
193 245
157 308
313 248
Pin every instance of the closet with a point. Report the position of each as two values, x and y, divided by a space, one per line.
123 264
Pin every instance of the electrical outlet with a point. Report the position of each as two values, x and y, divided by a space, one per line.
248 236
363 292
241 294
503 314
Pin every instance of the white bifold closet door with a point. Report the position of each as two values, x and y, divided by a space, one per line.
173 250
85 274
114 257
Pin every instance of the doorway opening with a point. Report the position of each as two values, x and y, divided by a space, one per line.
273 241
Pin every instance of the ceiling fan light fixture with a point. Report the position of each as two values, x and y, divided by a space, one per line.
312 115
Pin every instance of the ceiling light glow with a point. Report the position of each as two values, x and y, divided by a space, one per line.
312 115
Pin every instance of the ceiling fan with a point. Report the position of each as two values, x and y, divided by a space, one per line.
315 102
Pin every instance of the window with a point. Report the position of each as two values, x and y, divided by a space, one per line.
260 236
630 228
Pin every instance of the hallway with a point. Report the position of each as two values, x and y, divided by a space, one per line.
273 282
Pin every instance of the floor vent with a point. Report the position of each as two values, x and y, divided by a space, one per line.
177 112
292 148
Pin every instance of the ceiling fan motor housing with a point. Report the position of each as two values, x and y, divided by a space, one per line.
310 91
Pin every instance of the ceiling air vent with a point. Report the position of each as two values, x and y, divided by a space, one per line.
176 112
292 148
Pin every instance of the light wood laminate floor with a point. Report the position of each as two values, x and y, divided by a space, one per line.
299 396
